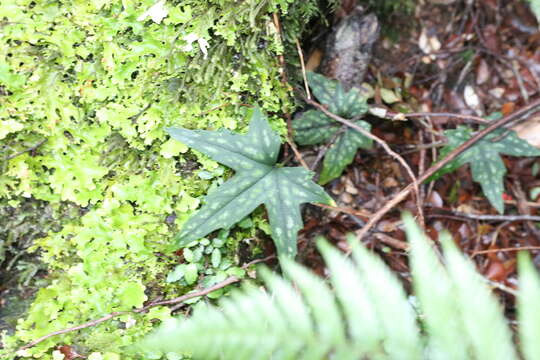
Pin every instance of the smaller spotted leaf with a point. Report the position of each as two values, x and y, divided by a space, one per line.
257 180
314 127
347 104
486 164
342 151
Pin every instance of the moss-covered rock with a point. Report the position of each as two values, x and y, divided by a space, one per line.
98 81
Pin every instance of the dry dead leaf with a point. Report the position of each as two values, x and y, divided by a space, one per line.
529 130
428 44
472 99
482 72
314 60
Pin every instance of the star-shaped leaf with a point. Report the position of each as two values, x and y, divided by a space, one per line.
484 158
347 104
257 180
314 127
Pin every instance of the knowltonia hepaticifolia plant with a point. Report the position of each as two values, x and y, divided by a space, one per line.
258 180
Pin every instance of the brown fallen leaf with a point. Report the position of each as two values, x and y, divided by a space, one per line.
496 271
482 72
529 130
314 60
68 352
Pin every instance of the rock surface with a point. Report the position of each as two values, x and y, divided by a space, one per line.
349 47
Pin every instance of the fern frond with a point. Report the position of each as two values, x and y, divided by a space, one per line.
324 309
528 308
484 322
365 314
367 335
396 315
434 290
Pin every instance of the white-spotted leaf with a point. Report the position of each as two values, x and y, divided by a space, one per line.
257 180
314 127
329 92
484 158
342 152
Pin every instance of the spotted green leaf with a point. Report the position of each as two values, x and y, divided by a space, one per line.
329 92
314 127
257 180
484 158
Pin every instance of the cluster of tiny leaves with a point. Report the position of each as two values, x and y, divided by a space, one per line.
99 83
257 180
314 127
484 157
361 311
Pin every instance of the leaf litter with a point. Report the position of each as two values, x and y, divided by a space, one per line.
457 57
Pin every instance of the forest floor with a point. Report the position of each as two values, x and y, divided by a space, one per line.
473 59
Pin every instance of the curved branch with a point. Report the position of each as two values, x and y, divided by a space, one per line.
451 156
381 142
183 298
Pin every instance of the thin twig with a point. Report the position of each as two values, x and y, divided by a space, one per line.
281 58
393 242
136 117
361 213
222 284
434 157
230 280
476 119
258 261
512 202
327 146
181 299
30 149
451 156
75 328
397 116
297 153
421 147
285 80
524 94
464 71
496 233
510 218
245 266
501 287
382 143
422 167
301 55
523 209
322 151
489 251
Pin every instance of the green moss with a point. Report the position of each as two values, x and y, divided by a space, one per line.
100 85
